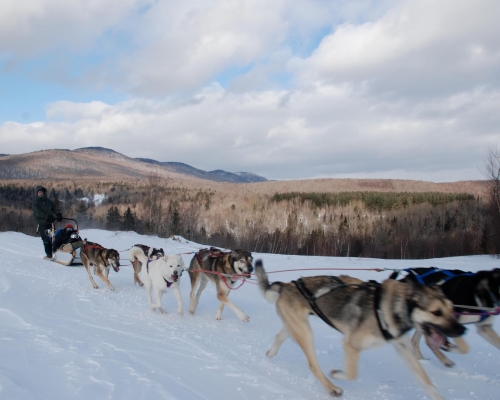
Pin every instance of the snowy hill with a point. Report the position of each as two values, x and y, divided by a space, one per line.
62 339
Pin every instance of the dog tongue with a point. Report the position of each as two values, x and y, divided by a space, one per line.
436 340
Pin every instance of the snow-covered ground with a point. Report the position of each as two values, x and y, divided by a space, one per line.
62 339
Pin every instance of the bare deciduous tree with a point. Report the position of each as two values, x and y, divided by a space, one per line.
153 201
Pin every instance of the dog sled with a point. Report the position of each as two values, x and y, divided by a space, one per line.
68 251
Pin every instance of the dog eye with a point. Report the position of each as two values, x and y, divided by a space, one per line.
437 313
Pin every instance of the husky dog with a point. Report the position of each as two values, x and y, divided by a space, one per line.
161 274
139 255
222 269
101 258
480 291
369 314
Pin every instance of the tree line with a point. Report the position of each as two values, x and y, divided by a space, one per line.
351 224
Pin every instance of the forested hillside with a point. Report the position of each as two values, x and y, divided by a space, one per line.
381 224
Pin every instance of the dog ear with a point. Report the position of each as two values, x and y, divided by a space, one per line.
412 292
234 254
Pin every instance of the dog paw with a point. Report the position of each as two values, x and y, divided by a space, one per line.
180 312
270 354
162 310
338 374
448 363
336 391
245 318
153 308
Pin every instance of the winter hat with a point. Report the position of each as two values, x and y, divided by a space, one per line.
69 226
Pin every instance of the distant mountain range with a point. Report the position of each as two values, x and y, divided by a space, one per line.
103 163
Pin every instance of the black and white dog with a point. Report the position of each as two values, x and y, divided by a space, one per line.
476 300
139 255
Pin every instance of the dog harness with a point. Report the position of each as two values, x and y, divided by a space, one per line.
311 299
448 275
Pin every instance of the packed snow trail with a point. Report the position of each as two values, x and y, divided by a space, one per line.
62 339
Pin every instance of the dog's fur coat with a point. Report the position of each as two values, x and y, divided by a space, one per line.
139 254
232 265
159 274
481 289
101 258
351 307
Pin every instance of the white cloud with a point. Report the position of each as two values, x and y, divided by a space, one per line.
31 27
404 88
324 131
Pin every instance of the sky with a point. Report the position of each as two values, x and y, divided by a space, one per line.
288 89
62 339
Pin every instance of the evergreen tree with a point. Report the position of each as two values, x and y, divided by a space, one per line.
175 222
129 219
113 219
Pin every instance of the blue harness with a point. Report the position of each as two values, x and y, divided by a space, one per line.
448 275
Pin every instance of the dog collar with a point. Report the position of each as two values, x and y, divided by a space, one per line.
168 283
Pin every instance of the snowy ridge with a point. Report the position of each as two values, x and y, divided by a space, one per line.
62 339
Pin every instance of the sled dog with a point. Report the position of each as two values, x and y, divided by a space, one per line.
222 269
480 291
160 274
139 255
369 314
101 258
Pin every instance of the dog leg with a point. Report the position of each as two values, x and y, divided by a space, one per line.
404 350
194 298
86 262
299 328
415 344
461 346
486 331
177 294
222 297
104 278
137 269
442 358
158 295
351 359
148 285
278 341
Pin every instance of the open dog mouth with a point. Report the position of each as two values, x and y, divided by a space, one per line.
116 268
175 276
436 339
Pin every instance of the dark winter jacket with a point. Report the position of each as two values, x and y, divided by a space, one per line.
43 208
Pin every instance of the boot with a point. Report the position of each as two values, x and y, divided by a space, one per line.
48 249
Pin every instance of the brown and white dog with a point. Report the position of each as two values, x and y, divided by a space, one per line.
139 255
222 269
101 258
369 314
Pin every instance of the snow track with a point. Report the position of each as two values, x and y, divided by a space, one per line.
62 339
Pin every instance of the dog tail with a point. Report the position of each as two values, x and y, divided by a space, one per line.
271 291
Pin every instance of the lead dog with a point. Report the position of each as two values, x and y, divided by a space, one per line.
222 269
369 314
101 258
161 274
480 290
139 255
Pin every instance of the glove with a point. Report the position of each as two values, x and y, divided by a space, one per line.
58 217
50 219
